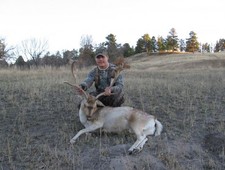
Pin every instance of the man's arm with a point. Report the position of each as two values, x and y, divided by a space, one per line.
88 80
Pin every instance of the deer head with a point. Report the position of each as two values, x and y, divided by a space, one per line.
90 103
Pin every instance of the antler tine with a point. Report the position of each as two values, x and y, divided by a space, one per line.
78 88
73 70
101 94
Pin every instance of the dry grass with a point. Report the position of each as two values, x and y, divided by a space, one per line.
38 116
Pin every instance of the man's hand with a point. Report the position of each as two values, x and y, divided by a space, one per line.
78 90
108 91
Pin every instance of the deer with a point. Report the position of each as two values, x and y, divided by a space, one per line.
94 115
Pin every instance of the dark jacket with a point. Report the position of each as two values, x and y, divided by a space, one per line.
102 79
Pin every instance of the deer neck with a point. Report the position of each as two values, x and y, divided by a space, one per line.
82 116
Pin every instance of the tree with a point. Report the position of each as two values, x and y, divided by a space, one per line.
34 49
147 43
86 57
205 47
54 60
172 40
182 45
2 49
20 62
100 48
140 47
113 49
144 44
154 44
192 42
68 55
161 43
220 45
127 50
5 51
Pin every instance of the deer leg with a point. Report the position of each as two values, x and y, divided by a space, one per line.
141 144
86 130
138 145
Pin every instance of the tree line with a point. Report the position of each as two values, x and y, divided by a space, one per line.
35 52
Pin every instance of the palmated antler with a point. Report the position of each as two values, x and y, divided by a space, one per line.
120 66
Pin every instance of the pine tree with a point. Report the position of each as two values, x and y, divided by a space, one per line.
154 44
182 45
127 50
112 47
220 45
161 43
140 47
192 42
172 40
144 44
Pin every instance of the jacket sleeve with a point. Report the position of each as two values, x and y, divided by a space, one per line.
87 83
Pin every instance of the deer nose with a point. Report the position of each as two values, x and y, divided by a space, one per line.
88 117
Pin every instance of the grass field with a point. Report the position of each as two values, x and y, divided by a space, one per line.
38 116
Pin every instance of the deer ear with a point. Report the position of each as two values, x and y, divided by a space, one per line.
100 103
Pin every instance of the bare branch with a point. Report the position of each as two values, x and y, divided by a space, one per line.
33 48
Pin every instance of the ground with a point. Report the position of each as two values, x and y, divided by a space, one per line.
39 116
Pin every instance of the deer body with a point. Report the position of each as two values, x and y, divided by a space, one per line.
116 119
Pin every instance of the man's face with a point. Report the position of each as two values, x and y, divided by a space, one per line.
102 61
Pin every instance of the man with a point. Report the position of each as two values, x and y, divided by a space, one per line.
101 77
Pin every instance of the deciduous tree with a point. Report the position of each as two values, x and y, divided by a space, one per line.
6 52
86 57
33 49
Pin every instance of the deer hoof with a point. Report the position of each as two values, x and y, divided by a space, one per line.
130 152
134 151
72 141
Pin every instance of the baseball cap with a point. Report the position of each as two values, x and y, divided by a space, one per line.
100 55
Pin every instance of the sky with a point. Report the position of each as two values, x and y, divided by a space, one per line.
63 22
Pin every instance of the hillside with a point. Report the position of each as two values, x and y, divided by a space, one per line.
177 61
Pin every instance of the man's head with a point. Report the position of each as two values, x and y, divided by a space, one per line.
102 60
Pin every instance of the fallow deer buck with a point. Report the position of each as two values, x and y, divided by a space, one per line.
94 115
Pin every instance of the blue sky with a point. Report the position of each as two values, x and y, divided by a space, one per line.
64 22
